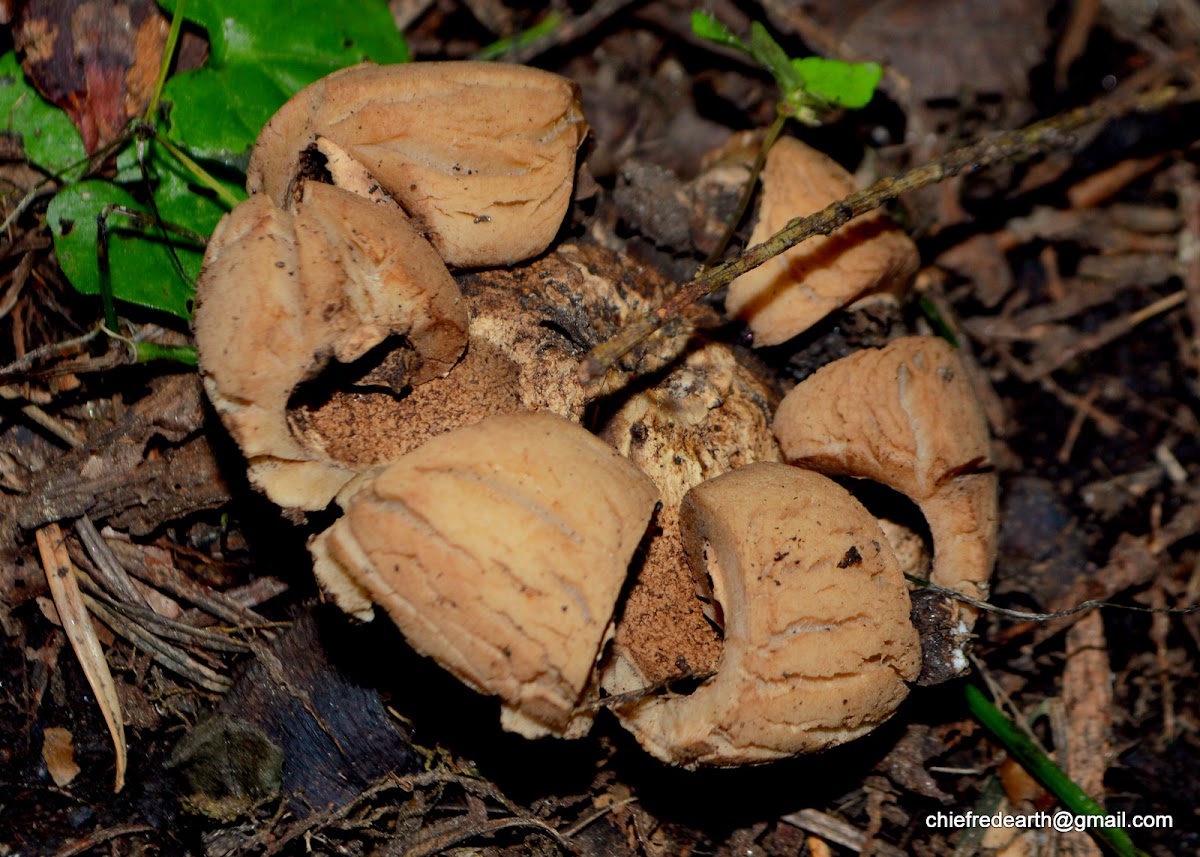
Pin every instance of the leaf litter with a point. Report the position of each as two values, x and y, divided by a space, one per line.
1072 283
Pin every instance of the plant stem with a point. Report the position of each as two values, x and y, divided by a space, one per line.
1056 132
501 48
199 172
164 67
1050 775
144 352
760 161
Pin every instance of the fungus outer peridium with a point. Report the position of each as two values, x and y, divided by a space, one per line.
789 293
818 642
489 181
905 415
499 550
328 273
282 293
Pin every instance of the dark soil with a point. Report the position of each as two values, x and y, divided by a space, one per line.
1044 270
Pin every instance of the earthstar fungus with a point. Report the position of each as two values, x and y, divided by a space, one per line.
818 643
283 293
497 532
480 154
499 550
304 273
905 416
791 292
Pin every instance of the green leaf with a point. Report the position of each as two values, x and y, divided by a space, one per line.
767 53
843 84
51 140
502 47
706 26
142 271
148 351
807 86
183 202
259 58
261 54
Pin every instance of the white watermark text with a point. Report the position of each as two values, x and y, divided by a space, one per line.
1062 820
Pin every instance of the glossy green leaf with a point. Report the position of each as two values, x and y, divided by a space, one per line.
808 86
842 84
261 54
142 271
51 140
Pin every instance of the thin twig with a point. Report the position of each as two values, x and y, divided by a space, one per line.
1056 132
591 818
113 576
162 652
162 575
17 284
1109 332
1185 180
840 832
170 629
1025 373
16 370
453 832
1057 614
569 31
67 434
92 840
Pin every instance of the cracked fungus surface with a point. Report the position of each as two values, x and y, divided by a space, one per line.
818 643
489 558
905 416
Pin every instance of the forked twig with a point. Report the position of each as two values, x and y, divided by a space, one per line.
1013 146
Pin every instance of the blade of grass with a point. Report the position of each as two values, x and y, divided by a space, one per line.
164 68
201 175
932 315
503 47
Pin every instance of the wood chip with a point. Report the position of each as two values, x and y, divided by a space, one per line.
1088 700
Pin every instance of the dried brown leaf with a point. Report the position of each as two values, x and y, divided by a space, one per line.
77 623
58 752
96 59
